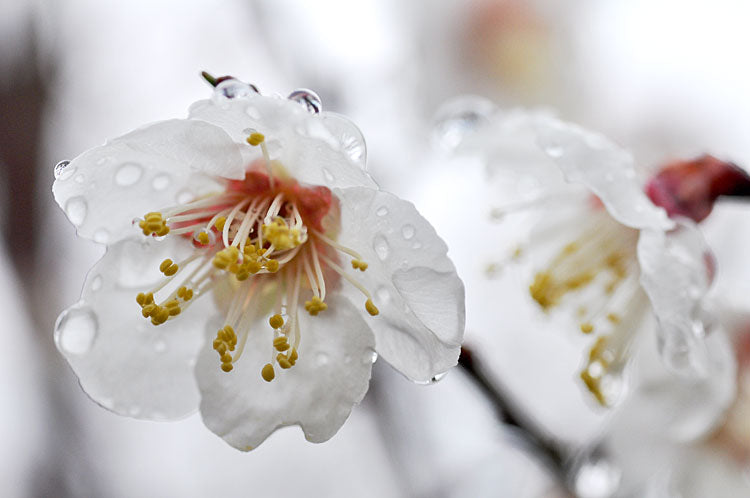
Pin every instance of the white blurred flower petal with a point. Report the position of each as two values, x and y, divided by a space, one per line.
674 274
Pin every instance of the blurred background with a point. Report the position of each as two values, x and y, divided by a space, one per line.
664 79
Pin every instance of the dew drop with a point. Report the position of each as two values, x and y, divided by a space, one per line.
101 236
76 209
321 359
459 118
307 98
328 175
381 247
79 178
383 295
160 346
160 182
382 211
438 377
184 196
76 329
233 88
128 174
62 172
554 150
596 477
96 283
408 231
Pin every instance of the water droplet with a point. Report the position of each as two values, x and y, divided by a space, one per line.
96 283
596 477
382 211
184 196
383 295
307 98
128 174
75 330
381 247
370 357
101 236
328 175
160 346
459 118
134 411
233 88
76 209
321 359
60 170
554 150
160 182
79 178
408 231
438 377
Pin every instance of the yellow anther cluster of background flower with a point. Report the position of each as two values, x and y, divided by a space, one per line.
225 341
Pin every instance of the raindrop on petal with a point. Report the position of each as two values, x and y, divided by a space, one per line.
382 211
596 477
459 118
382 295
96 284
160 346
408 231
321 359
76 209
60 170
438 377
128 174
134 411
382 249
101 236
160 182
76 329
307 98
233 88
370 357
184 196
554 150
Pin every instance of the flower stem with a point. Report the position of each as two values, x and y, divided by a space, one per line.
553 453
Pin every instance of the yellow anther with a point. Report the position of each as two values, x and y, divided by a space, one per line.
143 299
203 238
593 385
148 310
359 265
226 358
226 257
227 367
371 308
315 306
272 265
613 318
283 361
293 356
175 311
276 321
541 290
280 235
154 223
220 222
587 327
267 373
253 267
165 264
171 270
159 315
280 344
255 138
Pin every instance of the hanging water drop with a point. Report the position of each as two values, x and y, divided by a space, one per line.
382 249
307 98
76 209
76 329
438 377
460 117
60 169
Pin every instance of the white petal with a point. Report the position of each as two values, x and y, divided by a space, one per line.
151 168
674 274
592 160
123 362
324 149
414 284
331 375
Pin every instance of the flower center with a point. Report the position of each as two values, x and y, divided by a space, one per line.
270 239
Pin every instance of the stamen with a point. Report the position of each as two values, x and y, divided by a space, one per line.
369 306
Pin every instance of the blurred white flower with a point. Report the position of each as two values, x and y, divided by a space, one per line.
258 201
598 252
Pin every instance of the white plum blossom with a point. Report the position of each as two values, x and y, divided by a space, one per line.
253 270
597 255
